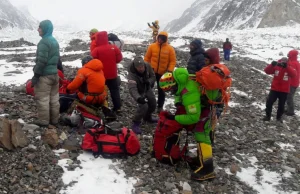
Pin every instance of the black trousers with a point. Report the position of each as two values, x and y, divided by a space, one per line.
161 93
114 89
273 96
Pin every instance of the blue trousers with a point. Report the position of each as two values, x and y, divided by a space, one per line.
227 54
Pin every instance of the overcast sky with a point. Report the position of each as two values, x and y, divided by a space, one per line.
105 14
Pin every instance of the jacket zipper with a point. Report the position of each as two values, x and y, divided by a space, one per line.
159 58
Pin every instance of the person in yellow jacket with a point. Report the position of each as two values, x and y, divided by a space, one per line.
155 28
162 58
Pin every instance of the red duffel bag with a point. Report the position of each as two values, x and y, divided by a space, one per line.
110 142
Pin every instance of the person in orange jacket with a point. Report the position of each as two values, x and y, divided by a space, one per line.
93 39
162 58
90 82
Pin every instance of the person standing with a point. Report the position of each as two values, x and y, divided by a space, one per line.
227 46
162 58
155 29
140 79
294 63
109 55
45 80
197 59
280 86
93 39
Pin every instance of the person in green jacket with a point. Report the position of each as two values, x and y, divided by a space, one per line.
188 98
45 80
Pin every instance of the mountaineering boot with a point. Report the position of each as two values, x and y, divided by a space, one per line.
205 170
267 118
109 114
280 120
136 127
289 114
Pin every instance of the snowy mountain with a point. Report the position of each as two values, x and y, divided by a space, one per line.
211 15
10 16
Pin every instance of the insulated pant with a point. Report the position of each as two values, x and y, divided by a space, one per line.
161 93
145 110
47 99
227 54
290 100
273 96
114 88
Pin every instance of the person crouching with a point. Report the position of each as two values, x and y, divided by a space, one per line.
140 79
90 82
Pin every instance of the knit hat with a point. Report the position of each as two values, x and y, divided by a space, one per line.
138 61
94 30
197 43
86 59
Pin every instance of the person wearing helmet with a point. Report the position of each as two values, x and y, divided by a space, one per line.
93 39
155 29
187 97
162 58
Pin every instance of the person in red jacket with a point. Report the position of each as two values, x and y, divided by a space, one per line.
109 55
293 62
227 46
93 39
280 86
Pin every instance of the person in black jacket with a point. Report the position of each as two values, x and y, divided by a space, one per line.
140 78
197 59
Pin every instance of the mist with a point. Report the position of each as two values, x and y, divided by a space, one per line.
105 15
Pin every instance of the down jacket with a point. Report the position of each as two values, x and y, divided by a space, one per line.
162 57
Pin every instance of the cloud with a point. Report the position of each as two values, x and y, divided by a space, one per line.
104 14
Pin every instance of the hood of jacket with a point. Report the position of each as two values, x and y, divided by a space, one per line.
181 76
213 54
95 65
47 28
293 55
165 34
101 38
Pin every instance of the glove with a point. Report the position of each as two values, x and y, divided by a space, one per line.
274 63
148 24
142 100
284 65
34 80
170 117
147 82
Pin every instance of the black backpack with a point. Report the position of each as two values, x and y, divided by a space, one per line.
113 37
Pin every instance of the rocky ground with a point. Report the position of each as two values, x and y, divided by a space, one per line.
241 135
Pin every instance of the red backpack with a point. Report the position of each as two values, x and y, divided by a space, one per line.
109 142
215 77
166 138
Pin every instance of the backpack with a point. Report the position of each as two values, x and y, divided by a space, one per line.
113 37
80 114
166 148
110 143
215 77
